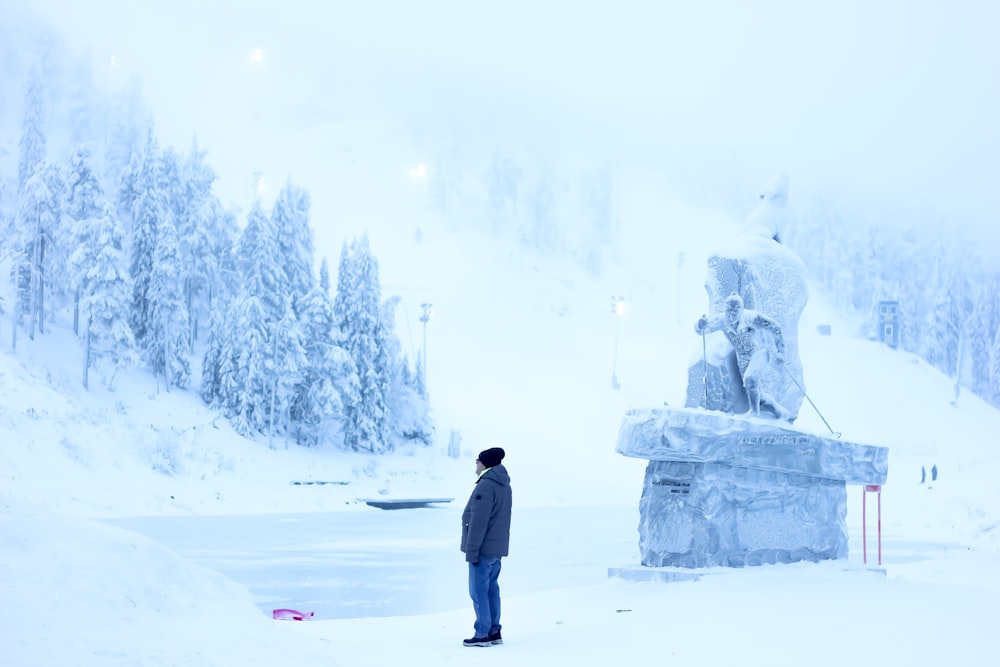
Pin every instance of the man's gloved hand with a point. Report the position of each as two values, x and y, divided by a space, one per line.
779 357
701 325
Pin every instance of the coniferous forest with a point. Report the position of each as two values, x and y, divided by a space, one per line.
127 239
947 290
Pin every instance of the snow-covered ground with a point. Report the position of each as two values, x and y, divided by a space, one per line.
520 355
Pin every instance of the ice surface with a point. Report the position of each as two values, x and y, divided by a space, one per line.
693 434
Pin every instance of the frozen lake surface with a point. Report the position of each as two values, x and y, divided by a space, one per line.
392 562
371 562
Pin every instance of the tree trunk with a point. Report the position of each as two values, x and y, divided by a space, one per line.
166 351
41 286
274 391
76 313
86 356
33 290
193 321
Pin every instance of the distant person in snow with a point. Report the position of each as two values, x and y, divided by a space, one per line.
485 540
745 330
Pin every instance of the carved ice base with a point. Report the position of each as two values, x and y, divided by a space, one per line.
731 491
707 514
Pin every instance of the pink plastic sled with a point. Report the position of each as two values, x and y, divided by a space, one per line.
291 615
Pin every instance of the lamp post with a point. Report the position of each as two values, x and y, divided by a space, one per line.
618 308
108 66
426 313
256 79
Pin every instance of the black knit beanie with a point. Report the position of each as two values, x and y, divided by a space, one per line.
491 457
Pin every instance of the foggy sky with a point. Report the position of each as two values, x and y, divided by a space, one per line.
888 105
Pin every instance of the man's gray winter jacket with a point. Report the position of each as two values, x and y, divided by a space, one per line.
486 519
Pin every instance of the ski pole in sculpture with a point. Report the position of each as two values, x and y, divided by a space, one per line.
704 365
836 434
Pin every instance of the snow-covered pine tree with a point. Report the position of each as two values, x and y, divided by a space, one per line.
418 379
80 105
261 265
6 223
940 338
147 209
261 308
962 317
245 376
40 212
167 343
123 146
214 266
343 298
539 229
6 230
408 411
106 295
85 197
206 232
32 143
324 275
172 185
990 366
288 363
224 236
414 421
219 361
503 181
295 238
37 214
84 204
358 310
128 192
344 307
327 372
218 357
909 268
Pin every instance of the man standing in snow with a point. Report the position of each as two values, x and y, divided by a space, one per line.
744 329
485 540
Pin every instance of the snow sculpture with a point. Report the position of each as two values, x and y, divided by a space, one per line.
727 488
755 355
771 280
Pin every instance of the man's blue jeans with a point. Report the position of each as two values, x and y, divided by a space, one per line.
485 594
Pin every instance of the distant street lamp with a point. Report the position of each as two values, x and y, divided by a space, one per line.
256 63
426 315
618 308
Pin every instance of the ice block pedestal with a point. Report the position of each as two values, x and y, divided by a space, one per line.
736 491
